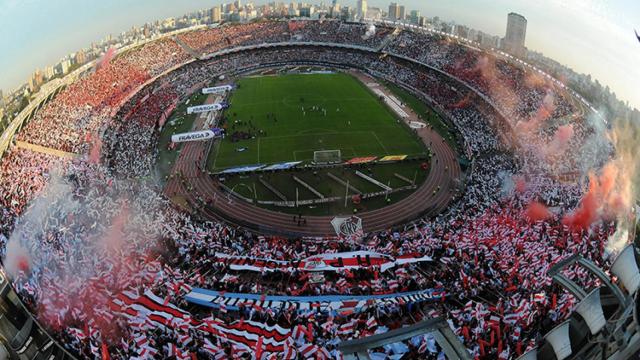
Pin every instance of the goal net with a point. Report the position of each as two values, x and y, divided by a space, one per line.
327 157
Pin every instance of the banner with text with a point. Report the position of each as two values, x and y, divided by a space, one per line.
204 108
217 89
325 262
328 303
193 136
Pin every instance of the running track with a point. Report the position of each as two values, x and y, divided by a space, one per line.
197 187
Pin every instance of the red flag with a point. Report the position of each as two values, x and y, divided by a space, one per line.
259 348
309 332
105 352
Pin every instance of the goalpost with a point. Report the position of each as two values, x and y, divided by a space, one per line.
327 157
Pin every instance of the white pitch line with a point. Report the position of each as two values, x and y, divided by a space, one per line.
380 142
258 151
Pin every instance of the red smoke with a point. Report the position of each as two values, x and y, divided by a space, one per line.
534 79
106 58
498 86
463 103
564 134
113 240
587 211
23 263
608 196
520 184
546 109
560 141
537 212
73 298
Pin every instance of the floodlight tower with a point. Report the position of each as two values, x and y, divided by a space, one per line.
605 322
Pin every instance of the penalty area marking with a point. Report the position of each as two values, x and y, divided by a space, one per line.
380 142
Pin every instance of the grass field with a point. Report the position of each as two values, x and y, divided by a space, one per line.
178 122
356 122
249 186
425 113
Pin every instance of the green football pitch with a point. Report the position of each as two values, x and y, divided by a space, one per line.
268 111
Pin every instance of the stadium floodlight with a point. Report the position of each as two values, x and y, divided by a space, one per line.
558 337
529 355
327 157
590 308
626 269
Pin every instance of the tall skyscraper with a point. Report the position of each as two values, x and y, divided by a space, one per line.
394 11
516 34
401 13
362 9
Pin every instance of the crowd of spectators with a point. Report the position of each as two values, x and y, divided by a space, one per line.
94 232
211 40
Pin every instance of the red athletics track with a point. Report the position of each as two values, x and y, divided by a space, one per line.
197 186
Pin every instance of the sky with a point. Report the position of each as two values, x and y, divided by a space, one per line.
590 36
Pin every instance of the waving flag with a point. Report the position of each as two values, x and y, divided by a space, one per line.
243 334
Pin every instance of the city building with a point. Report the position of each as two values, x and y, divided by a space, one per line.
335 8
401 13
216 14
515 37
36 80
472 35
374 13
81 57
488 41
461 30
362 9
307 11
49 72
146 31
394 11
415 16
345 13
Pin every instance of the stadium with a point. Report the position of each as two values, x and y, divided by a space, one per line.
295 189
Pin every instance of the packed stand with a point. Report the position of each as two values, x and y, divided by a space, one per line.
104 238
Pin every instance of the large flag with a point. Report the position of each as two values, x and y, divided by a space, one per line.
244 334
322 262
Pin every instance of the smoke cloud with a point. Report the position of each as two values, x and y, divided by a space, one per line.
106 58
560 141
84 240
371 31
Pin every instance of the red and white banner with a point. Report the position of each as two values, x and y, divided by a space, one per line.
325 262
148 311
